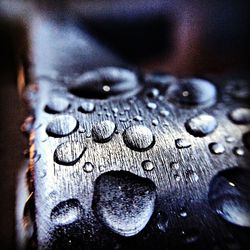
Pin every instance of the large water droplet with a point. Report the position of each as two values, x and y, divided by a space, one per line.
62 125
87 107
68 153
246 140
105 82
182 143
201 125
229 195
138 137
216 148
66 212
103 131
124 202
240 116
192 92
56 105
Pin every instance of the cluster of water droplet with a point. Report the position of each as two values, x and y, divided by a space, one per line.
124 202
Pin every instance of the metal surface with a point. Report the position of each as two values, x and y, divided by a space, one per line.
76 166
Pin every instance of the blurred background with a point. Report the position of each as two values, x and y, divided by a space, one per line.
61 38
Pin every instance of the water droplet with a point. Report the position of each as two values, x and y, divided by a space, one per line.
56 105
164 113
115 110
192 175
153 93
192 92
229 139
182 143
88 167
240 116
138 118
148 165
105 83
246 140
155 122
183 213
124 202
123 119
87 107
177 177
66 212
138 137
174 165
201 125
68 153
216 148
238 151
162 222
103 131
62 125
151 105
229 195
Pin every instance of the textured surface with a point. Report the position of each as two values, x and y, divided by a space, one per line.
182 216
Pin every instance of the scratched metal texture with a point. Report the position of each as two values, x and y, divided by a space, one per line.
54 183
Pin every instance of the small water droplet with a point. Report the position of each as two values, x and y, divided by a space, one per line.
87 107
115 110
229 139
103 131
246 139
192 175
138 118
56 105
153 93
68 153
123 119
191 236
164 113
177 177
155 122
216 148
201 125
62 125
174 165
151 105
231 202
138 137
124 202
66 212
148 165
162 222
192 92
183 213
88 167
240 116
182 143
238 151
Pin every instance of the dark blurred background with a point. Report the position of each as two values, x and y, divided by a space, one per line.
180 37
